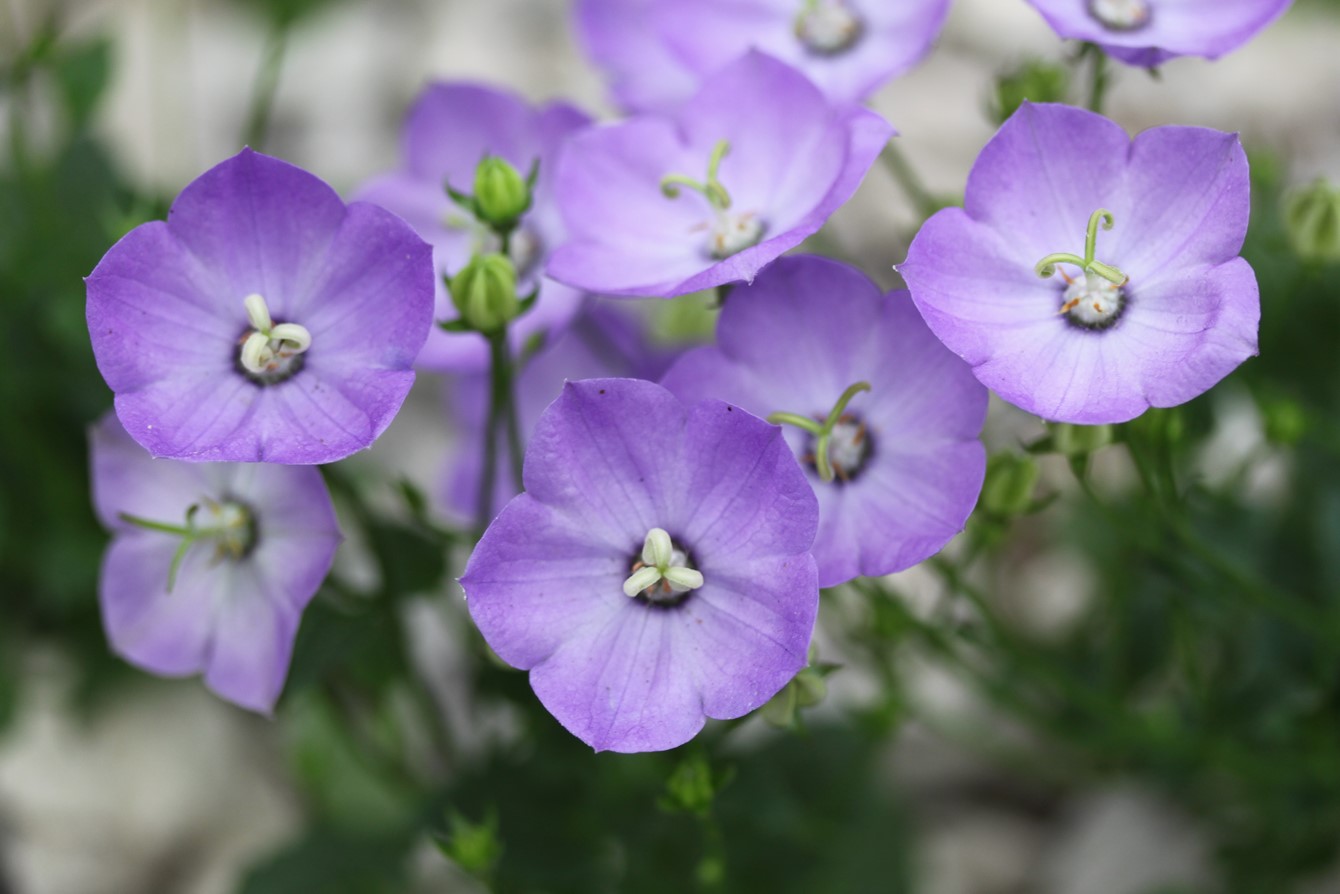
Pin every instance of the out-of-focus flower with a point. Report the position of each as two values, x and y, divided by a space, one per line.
1312 215
644 75
906 464
448 132
264 321
745 170
605 340
656 571
1150 32
1156 309
211 564
849 48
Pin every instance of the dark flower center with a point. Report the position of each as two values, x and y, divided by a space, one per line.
850 447
1093 303
664 593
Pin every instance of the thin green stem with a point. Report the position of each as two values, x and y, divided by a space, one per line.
265 87
502 414
1100 76
908 179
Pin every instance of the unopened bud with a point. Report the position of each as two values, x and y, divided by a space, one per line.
484 293
1312 215
502 195
1011 479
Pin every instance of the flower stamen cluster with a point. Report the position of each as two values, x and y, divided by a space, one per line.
270 352
828 27
663 574
1122 15
841 441
730 233
229 525
1096 300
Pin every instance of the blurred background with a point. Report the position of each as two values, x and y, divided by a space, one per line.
1132 690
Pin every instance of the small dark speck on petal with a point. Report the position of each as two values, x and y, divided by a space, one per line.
729 408
602 390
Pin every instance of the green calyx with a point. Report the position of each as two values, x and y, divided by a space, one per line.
502 195
1312 217
1088 264
672 185
822 431
229 525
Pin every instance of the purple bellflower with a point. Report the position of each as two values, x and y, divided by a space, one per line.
1150 32
656 571
210 565
849 48
1157 308
644 75
883 417
450 128
779 159
604 340
264 321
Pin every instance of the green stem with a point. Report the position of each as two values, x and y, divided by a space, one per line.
265 87
1101 77
502 413
908 179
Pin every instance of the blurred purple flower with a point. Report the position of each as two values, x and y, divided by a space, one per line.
644 75
779 159
447 132
264 321
1153 314
908 464
656 570
262 538
1150 32
605 340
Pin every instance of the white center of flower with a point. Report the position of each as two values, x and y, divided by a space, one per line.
230 525
827 27
664 573
1093 302
733 232
1121 15
269 352
848 446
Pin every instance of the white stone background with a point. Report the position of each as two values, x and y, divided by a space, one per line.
172 792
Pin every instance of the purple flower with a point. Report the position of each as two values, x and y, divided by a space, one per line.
644 74
1156 309
448 131
605 340
849 48
778 158
210 565
906 463
656 570
1150 32
264 321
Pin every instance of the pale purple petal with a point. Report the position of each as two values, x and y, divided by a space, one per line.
644 74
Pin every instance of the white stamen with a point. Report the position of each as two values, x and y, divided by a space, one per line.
1121 15
1092 301
733 233
662 562
268 351
827 27
847 446
258 312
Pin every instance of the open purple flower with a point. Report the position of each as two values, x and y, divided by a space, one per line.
888 419
849 48
210 565
450 128
264 321
605 340
778 159
1150 32
644 75
1089 276
656 571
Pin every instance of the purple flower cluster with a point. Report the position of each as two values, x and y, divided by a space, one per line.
663 564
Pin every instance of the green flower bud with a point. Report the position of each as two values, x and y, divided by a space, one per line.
502 195
1312 216
1079 440
1010 481
1034 80
484 293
